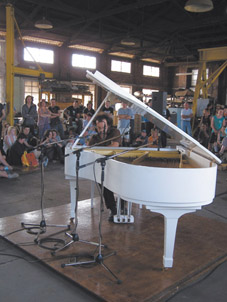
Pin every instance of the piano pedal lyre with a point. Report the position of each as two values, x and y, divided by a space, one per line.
123 217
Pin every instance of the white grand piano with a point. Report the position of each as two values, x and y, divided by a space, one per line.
172 182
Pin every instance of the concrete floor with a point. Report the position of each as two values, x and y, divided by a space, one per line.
25 279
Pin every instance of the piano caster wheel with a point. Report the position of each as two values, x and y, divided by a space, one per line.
71 220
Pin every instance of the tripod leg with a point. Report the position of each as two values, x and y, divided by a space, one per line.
62 248
78 263
108 270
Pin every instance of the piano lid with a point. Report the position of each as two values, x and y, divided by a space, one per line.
140 108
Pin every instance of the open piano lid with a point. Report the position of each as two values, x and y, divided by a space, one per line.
140 108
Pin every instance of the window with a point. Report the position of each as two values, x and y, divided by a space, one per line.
151 71
38 55
83 61
120 66
32 88
195 76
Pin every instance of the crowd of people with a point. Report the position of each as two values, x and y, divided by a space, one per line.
45 133
44 130
211 130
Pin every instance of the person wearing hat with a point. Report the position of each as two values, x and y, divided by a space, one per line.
142 139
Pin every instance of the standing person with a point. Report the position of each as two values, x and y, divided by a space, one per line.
203 137
225 115
2 116
148 124
206 119
29 113
43 118
105 131
73 115
217 125
124 116
107 108
89 109
163 133
186 115
55 122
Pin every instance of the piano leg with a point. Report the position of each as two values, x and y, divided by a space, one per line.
171 217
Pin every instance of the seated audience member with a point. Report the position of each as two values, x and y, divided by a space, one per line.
206 119
87 120
6 169
30 141
86 137
142 139
17 150
203 136
9 138
50 147
153 138
58 147
125 114
71 133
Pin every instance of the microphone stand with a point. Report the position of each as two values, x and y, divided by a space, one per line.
74 235
41 228
100 257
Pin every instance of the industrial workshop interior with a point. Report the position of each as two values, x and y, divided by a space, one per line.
113 150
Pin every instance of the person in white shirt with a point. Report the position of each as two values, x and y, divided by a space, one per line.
186 115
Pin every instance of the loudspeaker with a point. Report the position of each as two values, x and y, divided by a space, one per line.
159 102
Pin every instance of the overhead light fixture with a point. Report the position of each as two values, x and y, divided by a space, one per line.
43 24
128 42
199 6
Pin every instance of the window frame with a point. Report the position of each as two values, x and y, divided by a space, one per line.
152 74
39 54
121 65
83 57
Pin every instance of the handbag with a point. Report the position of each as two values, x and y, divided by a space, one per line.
29 159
